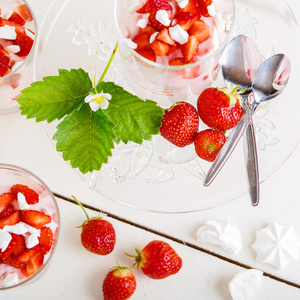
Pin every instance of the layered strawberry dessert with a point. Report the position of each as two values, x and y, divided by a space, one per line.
28 230
17 33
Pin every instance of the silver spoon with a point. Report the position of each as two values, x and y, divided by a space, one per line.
240 61
269 81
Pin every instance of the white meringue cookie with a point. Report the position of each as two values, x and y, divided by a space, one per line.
276 245
244 284
222 234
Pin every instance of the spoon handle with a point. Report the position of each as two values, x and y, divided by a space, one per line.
228 148
251 163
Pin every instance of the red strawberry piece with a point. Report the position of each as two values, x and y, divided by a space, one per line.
208 144
5 200
160 48
189 49
16 18
164 36
7 211
46 239
221 108
97 235
25 42
35 218
11 219
185 19
180 124
19 245
192 7
158 260
29 261
203 7
31 196
119 284
24 11
7 252
147 53
149 30
142 40
4 62
200 30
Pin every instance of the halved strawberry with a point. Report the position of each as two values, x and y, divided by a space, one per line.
7 211
16 18
11 219
160 48
25 42
185 19
31 196
192 7
5 200
142 40
189 49
4 62
35 218
148 53
200 30
164 36
46 239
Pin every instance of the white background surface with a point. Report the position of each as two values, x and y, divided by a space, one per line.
76 274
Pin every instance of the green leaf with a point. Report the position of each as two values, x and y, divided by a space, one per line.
55 96
135 119
85 138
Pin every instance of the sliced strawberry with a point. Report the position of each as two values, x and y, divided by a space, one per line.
190 48
185 19
46 239
164 36
4 62
18 244
200 30
149 29
25 42
24 11
142 40
203 7
11 219
160 48
148 53
31 196
5 200
16 18
7 252
35 218
7 211
192 7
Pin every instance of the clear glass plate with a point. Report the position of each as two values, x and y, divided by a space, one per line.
141 176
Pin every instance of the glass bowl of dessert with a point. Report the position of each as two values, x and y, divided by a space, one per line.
157 176
17 41
172 48
29 226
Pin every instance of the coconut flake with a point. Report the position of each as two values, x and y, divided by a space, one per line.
182 3
5 239
13 48
142 23
162 16
178 34
8 32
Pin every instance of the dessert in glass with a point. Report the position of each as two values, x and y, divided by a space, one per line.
29 225
172 48
17 39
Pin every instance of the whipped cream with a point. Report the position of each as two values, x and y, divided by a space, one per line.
22 201
222 234
244 284
276 245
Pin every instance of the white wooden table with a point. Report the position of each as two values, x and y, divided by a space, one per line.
207 270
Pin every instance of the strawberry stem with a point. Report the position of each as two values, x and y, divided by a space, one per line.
108 65
81 207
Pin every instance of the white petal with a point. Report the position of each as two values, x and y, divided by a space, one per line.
104 104
94 106
106 96
88 98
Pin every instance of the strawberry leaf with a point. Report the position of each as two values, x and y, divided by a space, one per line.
135 119
55 96
85 138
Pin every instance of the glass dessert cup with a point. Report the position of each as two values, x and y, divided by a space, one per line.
21 74
9 176
159 80
171 181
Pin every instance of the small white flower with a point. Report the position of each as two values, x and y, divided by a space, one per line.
97 101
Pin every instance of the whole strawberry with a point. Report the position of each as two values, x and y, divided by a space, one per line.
119 284
220 108
208 144
180 124
97 236
158 260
